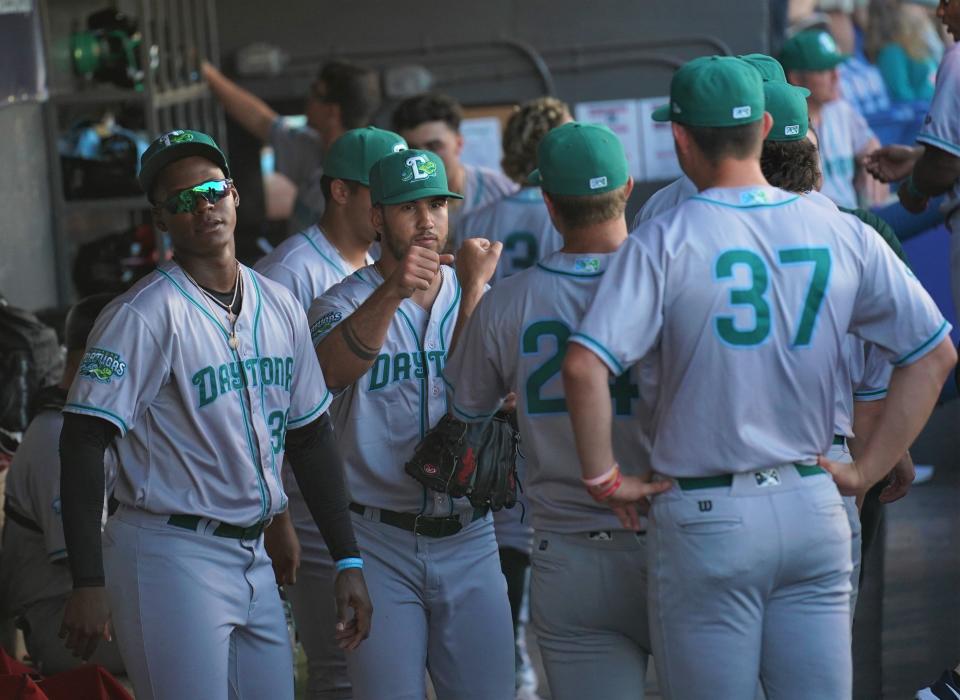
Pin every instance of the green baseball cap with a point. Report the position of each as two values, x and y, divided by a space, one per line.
177 145
811 50
352 155
580 159
408 175
787 105
714 91
769 67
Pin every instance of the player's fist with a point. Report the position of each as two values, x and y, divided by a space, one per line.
911 202
848 476
892 162
417 270
477 261
350 590
283 547
633 494
86 620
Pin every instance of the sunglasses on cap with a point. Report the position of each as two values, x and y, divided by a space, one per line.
186 201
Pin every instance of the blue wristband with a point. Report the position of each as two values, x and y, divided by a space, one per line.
349 563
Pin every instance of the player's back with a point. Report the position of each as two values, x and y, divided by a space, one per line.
521 222
530 316
753 291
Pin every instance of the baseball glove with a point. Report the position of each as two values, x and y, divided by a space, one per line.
476 460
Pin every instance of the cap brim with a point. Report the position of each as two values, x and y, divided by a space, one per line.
150 170
661 113
425 193
534 178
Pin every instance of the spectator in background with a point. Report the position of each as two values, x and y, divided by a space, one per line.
431 122
841 21
896 42
810 60
344 96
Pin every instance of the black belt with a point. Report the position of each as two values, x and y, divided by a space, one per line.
21 520
422 524
190 522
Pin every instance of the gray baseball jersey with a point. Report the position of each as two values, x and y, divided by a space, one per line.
843 134
516 340
32 564
680 190
307 264
521 222
482 186
381 417
202 424
863 375
941 128
769 301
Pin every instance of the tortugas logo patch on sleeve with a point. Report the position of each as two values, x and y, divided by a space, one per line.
102 365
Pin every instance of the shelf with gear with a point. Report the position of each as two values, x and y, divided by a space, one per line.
119 74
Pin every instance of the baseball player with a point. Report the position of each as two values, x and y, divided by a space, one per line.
588 592
432 122
382 337
933 167
204 374
34 578
682 189
308 264
750 547
810 59
344 96
520 220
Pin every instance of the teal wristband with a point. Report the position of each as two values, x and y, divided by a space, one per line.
349 563
912 189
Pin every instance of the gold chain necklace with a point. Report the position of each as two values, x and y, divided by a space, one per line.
233 341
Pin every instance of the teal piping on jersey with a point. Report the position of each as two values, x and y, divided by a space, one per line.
57 555
943 145
330 262
569 273
455 304
195 303
870 395
263 414
471 418
243 407
112 417
423 380
360 277
920 351
296 422
758 205
598 349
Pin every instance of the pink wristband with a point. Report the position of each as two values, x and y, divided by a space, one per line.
604 495
603 478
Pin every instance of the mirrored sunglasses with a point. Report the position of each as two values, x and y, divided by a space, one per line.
186 201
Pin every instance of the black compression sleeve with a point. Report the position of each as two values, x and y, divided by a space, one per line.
83 441
318 467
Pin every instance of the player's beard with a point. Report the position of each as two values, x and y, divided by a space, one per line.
398 249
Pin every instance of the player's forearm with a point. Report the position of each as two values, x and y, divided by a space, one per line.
83 441
350 349
468 304
318 468
935 172
865 417
253 114
587 390
913 392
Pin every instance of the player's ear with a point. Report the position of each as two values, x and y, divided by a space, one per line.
767 123
459 144
339 191
156 213
376 218
628 188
